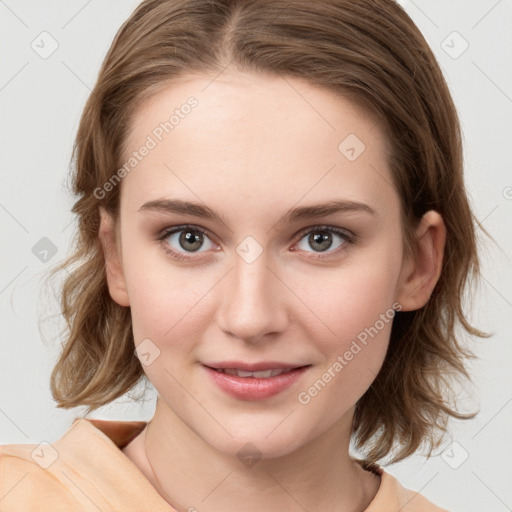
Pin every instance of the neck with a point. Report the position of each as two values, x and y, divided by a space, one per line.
192 475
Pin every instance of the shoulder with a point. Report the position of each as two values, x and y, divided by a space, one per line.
82 471
392 496
26 484
413 501
404 500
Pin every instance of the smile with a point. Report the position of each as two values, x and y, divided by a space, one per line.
255 384
263 374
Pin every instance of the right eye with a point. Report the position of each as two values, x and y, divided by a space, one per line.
182 241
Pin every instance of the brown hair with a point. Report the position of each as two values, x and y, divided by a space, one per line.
368 51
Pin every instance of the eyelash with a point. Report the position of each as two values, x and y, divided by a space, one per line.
348 238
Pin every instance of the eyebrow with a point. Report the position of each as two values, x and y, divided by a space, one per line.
293 215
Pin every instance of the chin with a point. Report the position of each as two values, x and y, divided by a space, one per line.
253 440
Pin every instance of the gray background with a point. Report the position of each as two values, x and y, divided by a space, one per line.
41 101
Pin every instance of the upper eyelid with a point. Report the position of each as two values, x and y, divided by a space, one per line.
180 227
327 227
176 229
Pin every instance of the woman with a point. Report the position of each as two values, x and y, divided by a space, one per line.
224 141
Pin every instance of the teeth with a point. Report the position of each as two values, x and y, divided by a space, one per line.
263 374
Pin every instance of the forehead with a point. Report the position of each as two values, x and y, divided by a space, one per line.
277 138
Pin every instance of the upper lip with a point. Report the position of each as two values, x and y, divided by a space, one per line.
253 367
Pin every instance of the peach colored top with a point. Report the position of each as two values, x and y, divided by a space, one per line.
86 471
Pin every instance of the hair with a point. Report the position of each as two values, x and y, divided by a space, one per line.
368 51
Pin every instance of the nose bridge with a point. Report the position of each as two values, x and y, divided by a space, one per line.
253 303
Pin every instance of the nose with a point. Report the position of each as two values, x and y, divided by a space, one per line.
254 301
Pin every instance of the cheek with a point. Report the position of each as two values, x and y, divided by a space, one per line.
365 294
358 312
161 304
166 309
167 303
360 316
352 298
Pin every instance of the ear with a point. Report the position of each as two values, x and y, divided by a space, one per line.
421 271
113 264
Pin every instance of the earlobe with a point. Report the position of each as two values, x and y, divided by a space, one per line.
421 272
113 264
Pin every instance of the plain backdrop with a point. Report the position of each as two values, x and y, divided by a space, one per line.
42 96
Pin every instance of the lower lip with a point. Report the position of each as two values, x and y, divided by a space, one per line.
252 388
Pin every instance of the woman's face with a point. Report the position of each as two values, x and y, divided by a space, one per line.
268 270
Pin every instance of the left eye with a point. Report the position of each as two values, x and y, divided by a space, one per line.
321 239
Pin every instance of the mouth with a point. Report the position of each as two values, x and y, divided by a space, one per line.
261 374
259 370
257 381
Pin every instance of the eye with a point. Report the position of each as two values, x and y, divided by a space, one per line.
185 238
323 239
182 242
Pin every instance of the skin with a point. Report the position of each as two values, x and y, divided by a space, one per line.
254 147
